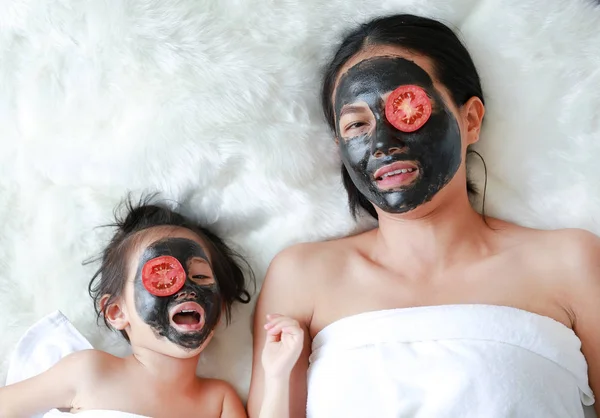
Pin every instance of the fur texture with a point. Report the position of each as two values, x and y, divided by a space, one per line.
215 104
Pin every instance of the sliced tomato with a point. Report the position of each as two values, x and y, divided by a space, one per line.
408 108
163 276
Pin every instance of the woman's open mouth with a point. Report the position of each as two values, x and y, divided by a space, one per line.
187 317
396 175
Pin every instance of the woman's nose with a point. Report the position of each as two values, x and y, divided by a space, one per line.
382 152
383 145
386 143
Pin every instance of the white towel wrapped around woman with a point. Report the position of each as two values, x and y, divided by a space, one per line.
451 361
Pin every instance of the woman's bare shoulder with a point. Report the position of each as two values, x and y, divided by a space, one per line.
573 257
577 249
569 250
530 235
300 272
319 255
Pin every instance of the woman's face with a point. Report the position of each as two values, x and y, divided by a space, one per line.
397 171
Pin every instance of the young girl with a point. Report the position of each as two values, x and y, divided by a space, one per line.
164 283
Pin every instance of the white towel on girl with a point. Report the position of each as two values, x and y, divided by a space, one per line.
55 413
451 361
43 345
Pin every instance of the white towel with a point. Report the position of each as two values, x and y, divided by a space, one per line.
92 414
43 345
452 361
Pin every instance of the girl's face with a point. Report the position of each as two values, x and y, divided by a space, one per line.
395 170
185 320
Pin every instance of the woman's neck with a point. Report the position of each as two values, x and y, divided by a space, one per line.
431 238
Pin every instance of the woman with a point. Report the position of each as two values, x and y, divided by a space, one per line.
438 312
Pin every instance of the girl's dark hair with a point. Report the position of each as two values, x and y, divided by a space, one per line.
110 277
452 65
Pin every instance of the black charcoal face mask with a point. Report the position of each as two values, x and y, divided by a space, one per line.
199 296
434 149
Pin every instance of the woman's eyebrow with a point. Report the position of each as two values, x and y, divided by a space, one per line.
351 109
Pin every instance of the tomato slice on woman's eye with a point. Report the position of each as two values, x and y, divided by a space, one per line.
163 276
408 108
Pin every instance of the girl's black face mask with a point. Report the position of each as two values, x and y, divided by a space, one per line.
435 147
154 310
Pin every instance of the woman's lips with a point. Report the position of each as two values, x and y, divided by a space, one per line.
396 175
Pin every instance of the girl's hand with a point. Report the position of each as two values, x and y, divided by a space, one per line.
282 347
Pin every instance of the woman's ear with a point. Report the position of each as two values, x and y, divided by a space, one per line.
114 313
473 111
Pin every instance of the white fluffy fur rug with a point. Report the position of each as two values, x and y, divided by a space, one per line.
215 103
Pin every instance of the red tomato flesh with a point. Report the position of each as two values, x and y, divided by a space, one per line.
163 276
408 108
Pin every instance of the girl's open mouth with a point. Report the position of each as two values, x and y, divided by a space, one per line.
187 317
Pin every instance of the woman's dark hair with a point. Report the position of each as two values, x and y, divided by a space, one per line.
110 277
452 65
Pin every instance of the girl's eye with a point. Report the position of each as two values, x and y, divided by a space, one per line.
202 279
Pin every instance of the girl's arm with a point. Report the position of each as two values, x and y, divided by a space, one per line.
283 345
55 388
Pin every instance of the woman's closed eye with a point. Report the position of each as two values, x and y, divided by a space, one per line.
355 128
355 119
355 125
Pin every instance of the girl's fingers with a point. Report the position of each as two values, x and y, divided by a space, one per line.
274 321
277 327
283 330
280 326
273 338
277 319
292 330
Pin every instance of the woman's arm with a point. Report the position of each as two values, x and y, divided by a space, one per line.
283 345
286 290
584 257
55 388
276 399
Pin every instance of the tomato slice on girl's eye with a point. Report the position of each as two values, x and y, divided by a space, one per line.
163 276
408 108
